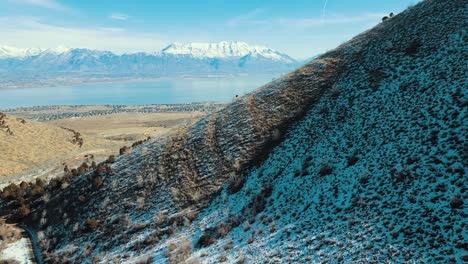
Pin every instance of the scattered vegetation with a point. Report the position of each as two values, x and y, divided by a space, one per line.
76 139
325 169
37 191
205 240
111 159
124 150
236 183
456 202
139 142
4 126
181 252
91 224
414 47
401 175
22 212
353 159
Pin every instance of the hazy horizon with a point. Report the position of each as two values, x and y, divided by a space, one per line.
301 29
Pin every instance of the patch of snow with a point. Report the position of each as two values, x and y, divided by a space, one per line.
18 251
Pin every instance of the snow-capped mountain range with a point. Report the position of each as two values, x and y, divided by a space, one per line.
194 59
225 49
12 52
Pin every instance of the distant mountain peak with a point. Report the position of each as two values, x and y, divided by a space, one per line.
224 49
13 52
59 49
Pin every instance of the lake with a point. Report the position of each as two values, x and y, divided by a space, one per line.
162 91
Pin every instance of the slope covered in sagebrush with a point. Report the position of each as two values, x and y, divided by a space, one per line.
359 155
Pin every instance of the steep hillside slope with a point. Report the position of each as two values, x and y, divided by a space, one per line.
359 155
25 144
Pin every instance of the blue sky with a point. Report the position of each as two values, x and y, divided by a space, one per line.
300 28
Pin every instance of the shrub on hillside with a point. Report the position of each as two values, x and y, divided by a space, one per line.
22 212
456 202
74 172
99 170
54 183
12 191
325 169
401 175
124 150
40 182
97 182
109 170
37 191
91 224
139 142
82 168
364 179
205 240
413 47
84 165
258 204
191 215
351 160
305 167
236 183
24 185
181 252
111 159
223 229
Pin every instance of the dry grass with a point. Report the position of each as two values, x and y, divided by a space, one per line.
181 252
32 144
131 126
41 148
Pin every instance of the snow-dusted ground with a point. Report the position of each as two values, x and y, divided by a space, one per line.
18 251
397 153
373 171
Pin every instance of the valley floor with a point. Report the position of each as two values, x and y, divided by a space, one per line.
104 129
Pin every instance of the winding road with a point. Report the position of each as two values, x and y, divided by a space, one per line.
34 250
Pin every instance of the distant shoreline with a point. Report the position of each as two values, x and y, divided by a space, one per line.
85 81
56 112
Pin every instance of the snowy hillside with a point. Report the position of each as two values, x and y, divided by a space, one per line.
358 156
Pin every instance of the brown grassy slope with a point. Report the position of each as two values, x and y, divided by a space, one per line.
31 144
39 149
128 126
